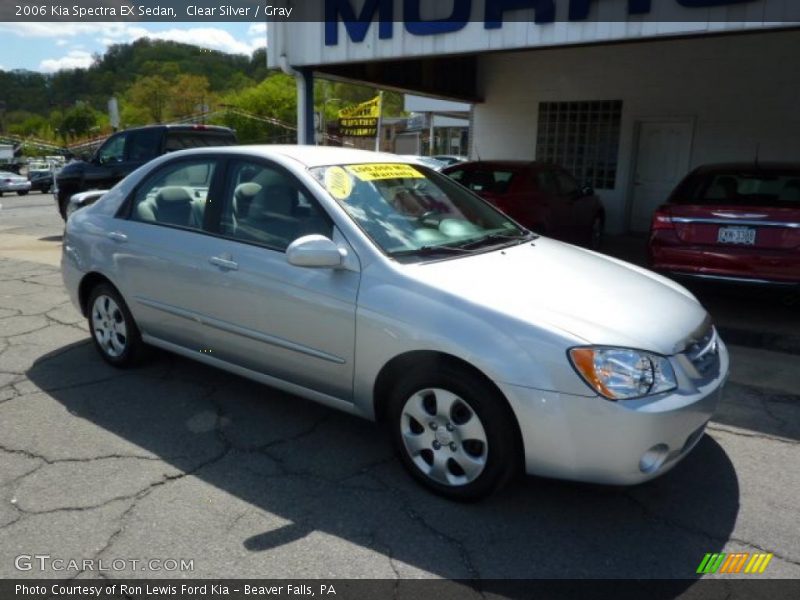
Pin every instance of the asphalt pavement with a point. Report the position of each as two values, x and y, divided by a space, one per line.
178 461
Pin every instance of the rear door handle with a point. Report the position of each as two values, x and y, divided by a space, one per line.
117 236
224 263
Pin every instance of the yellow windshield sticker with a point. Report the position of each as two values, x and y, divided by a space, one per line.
338 183
373 171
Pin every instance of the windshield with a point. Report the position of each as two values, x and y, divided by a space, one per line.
409 210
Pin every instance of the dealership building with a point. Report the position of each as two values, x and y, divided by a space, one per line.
628 95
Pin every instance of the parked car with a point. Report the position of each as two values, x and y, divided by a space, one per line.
11 182
450 159
732 222
41 174
41 181
386 290
540 196
126 151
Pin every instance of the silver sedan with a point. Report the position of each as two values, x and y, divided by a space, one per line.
11 182
384 289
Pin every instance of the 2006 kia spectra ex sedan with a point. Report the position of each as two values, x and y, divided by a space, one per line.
387 290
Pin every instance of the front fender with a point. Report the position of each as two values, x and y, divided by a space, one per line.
392 319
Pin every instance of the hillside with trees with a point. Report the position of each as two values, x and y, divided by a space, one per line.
160 81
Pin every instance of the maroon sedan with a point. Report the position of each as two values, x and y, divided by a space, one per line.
542 197
737 222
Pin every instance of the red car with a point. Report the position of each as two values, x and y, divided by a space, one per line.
542 197
737 222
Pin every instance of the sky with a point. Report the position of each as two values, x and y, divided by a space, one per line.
49 47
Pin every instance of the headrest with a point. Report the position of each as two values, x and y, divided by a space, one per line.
246 190
173 195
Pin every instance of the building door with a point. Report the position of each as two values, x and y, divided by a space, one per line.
663 151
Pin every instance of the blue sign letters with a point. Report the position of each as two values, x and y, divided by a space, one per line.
544 12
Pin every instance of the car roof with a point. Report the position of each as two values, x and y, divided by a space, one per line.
182 127
748 166
307 155
499 164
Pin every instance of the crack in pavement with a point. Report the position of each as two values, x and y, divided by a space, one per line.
88 459
720 427
464 554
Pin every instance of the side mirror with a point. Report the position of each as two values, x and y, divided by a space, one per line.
315 251
587 190
83 199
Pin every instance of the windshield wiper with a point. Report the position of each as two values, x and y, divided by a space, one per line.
491 238
432 250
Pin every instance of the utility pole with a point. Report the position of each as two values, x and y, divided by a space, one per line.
380 122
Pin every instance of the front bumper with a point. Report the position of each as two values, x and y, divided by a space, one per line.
594 440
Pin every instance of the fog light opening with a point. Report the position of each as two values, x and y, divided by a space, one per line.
652 460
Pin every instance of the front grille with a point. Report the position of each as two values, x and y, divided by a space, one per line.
703 351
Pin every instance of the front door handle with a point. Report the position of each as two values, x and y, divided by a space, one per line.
117 236
224 262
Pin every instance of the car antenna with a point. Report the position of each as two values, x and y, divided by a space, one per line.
758 150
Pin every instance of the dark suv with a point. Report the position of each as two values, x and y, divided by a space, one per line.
125 151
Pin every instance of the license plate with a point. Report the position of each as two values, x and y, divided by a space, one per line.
737 235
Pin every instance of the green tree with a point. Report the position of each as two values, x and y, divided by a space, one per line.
273 98
193 93
151 93
79 120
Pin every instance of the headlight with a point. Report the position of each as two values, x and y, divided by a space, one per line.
621 373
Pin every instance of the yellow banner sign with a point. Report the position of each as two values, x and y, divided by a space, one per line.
368 109
360 120
373 171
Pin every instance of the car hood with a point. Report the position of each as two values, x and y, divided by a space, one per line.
595 298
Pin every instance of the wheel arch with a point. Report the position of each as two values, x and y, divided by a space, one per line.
87 284
397 366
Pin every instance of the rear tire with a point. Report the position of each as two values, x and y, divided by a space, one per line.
114 332
454 432
22 192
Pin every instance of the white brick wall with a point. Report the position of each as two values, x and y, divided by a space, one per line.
741 90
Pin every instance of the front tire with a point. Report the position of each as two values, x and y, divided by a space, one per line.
22 192
114 332
454 432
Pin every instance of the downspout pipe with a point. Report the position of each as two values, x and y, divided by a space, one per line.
305 100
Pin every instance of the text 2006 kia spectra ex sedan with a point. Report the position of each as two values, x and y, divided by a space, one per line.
387 290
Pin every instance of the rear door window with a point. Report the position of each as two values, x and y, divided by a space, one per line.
176 194
144 145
